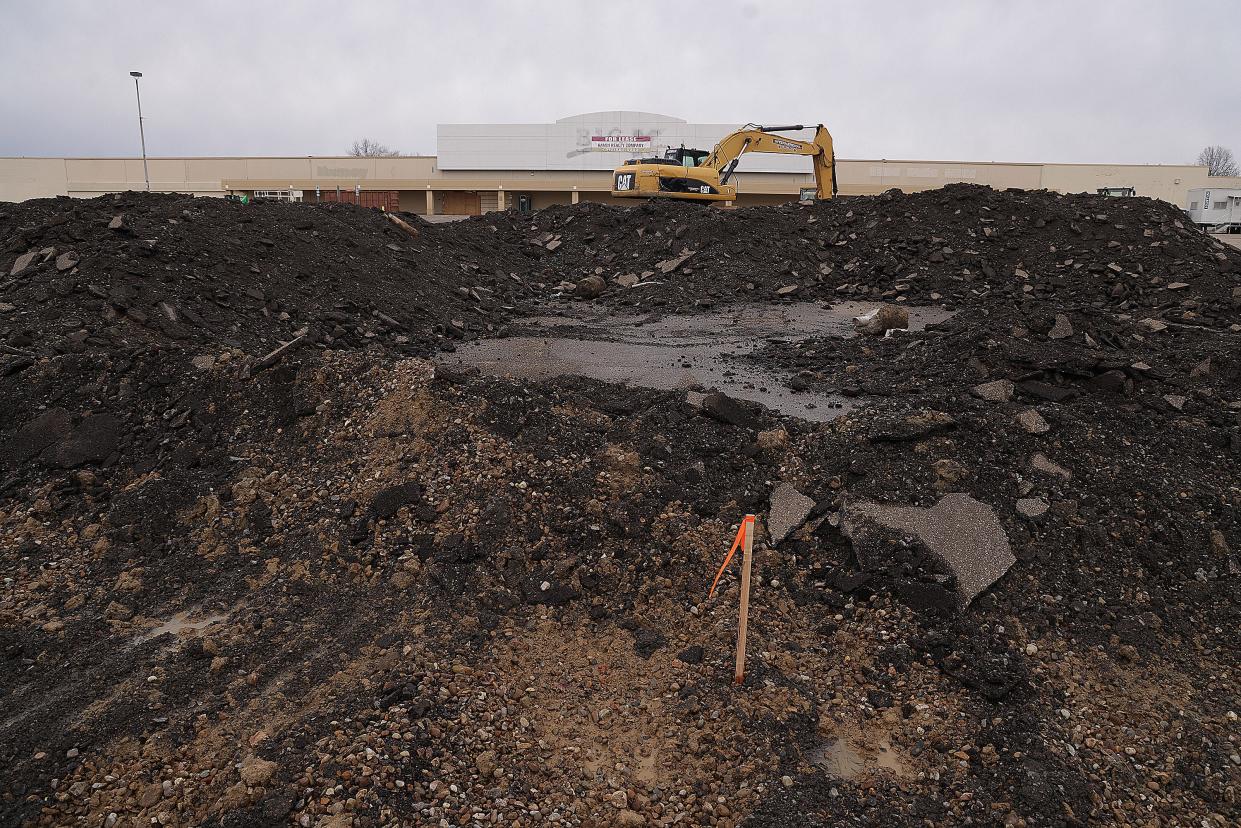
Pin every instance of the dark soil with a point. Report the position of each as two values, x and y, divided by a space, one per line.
385 592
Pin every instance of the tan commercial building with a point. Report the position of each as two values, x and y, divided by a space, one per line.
484 167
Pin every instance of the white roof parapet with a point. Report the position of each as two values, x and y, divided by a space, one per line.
621 116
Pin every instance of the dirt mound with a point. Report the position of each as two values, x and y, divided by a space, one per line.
962 245
122 271
348 586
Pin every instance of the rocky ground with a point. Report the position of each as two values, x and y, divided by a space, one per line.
339 584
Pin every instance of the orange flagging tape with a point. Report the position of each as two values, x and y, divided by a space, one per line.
746 522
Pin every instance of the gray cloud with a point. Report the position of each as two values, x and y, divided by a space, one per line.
1137 82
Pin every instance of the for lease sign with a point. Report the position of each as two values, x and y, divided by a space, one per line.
620 143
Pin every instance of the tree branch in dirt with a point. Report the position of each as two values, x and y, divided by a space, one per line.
1218 161
366 148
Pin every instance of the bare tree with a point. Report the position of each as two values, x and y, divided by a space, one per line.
366 148
1218 161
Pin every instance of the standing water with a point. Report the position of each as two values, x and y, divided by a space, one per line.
699 352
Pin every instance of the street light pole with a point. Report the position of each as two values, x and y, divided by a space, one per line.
141 132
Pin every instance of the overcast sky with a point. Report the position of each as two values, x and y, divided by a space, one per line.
1133 82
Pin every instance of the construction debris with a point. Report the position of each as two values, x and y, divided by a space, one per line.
882 319
269 557
1033 422
788 510
995 391
962 533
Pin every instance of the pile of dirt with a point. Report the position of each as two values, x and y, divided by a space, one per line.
129 270
962 245
348 586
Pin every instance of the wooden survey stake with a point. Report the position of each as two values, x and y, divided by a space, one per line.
744 540
747 555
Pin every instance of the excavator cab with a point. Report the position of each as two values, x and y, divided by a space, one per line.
685 157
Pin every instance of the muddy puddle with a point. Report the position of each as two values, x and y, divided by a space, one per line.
183 623
841 758
669 352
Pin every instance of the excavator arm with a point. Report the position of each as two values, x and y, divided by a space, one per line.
727 153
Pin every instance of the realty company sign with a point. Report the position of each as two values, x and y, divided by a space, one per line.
620 143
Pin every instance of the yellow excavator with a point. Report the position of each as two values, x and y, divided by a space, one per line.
698 175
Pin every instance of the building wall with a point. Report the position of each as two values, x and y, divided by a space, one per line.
413 201
92 176
1167 183
862 177
600 198
540 200
23 178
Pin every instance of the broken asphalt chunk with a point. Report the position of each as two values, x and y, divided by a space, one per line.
23 261
726 409
669 265
1032 422
788 509
1032 508
1000 390
1062 329
963 534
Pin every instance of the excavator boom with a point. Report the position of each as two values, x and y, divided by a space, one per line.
763 139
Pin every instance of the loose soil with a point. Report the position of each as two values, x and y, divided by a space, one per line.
356 581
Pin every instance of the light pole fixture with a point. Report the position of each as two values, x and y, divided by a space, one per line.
141 132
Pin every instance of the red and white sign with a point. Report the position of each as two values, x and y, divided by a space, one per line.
620 143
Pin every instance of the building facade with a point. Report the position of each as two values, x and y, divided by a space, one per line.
484 167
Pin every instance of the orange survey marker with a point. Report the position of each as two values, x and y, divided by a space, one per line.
745 540
746 524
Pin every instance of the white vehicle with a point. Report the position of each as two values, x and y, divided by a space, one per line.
1216 209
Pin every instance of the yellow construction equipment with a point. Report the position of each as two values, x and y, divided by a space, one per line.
698 175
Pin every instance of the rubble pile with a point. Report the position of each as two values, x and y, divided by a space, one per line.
130 270
267 562
960 245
